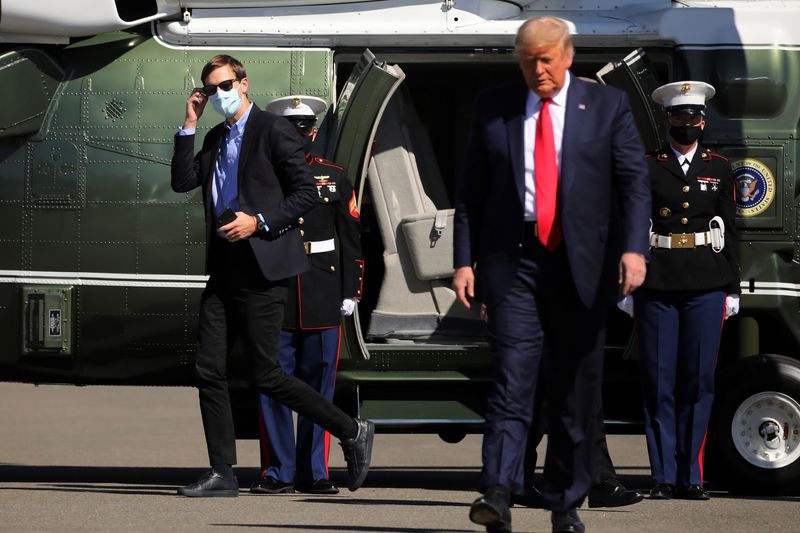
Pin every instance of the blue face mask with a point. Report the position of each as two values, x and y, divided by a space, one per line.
226 103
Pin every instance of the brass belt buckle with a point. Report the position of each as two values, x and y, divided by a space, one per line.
681 240
307 246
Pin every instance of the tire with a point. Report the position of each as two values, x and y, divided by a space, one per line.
754 433
452 436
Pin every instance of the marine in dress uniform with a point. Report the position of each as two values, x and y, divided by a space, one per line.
692 285
311 329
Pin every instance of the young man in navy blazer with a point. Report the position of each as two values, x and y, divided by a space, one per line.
547 162
255 182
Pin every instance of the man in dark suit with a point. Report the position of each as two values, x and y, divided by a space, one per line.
544 165
255 182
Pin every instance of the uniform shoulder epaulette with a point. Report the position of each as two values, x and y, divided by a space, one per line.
327 163
714 154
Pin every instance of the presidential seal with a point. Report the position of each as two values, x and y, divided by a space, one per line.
755 187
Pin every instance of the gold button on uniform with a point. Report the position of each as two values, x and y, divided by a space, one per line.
684 220
302 233
664 212
333 268
686 205
300 220
685 188
326 199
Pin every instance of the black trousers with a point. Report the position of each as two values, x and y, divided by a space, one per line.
542 322
239 300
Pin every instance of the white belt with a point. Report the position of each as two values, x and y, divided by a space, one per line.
317 247
680 240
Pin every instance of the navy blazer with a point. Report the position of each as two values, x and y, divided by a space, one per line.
273 180
603 184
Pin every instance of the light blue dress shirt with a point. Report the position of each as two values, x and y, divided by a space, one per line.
225 187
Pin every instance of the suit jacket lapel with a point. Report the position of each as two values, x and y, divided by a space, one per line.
247 142
515 126
573 116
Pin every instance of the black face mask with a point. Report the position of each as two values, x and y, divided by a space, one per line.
685 135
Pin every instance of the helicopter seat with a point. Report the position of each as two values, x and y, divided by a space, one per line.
416 225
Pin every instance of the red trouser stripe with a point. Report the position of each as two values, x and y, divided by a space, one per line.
328 435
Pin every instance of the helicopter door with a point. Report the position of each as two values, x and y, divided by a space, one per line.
635 75
358 112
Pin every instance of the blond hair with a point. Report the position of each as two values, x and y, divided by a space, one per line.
540 32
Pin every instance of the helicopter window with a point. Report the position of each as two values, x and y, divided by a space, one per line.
751 85
754 97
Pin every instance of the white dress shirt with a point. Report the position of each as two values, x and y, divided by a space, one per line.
688 156
558 109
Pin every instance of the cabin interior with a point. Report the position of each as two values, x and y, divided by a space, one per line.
407 203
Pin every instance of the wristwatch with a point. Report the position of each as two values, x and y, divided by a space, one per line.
259 222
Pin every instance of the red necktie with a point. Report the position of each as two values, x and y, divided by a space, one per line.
546 179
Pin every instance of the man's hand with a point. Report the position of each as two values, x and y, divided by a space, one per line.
241 228
194 108
464 285
632 269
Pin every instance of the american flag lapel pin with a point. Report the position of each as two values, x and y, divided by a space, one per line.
582 107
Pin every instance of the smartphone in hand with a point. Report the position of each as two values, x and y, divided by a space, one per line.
226 217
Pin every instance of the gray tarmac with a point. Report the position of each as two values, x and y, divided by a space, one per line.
111 458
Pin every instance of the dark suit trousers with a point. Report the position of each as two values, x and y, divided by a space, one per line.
542 323
239 300
603 466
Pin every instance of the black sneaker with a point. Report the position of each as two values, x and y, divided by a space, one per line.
210 485
358 453
270 485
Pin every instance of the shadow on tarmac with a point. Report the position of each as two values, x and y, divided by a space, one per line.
155 480
349 527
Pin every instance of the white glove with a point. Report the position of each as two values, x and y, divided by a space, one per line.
731 305
626 305
348 306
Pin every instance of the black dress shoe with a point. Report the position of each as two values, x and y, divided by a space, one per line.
612 493
491 510
662 491
567 522
358 453
211 484
270 485
693 492
319 486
